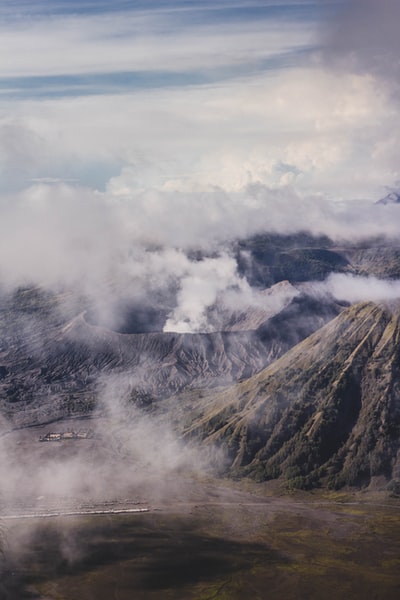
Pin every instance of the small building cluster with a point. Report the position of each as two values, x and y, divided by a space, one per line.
82 434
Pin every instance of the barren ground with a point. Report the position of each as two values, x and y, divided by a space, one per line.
201 538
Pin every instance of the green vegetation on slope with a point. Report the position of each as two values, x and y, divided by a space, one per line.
326 413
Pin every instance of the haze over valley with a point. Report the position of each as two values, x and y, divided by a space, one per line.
199 300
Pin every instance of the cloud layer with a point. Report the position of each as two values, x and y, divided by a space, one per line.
185 96
130 136
364 37
142 247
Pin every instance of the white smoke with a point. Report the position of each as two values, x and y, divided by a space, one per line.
199 289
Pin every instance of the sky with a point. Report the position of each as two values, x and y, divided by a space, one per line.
130 126
185 95
134 132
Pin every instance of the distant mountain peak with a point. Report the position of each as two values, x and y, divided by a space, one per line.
392 198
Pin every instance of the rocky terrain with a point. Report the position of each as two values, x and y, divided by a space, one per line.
52 365
327 412
302 388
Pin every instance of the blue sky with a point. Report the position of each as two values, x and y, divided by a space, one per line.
149 59
79 48
126 96
197 93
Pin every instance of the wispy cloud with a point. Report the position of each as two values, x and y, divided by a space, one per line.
188 96
155 40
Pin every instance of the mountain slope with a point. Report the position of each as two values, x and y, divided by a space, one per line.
52 366
327 412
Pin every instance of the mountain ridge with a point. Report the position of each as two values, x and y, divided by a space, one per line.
325 413
54 366
293 385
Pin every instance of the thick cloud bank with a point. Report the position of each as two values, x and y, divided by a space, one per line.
65 234
137 141
143 245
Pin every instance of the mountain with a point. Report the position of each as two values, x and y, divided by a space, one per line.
377 259
291 385
325 413
269 258
392 198
53 361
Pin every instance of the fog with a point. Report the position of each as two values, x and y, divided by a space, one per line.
353 288
131 452
137 148
133 462
112 248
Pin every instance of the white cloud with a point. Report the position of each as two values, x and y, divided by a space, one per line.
59 234
55 234
138 41
185 166
337 134
352 288
322 130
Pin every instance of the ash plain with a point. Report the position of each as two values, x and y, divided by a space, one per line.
123 532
